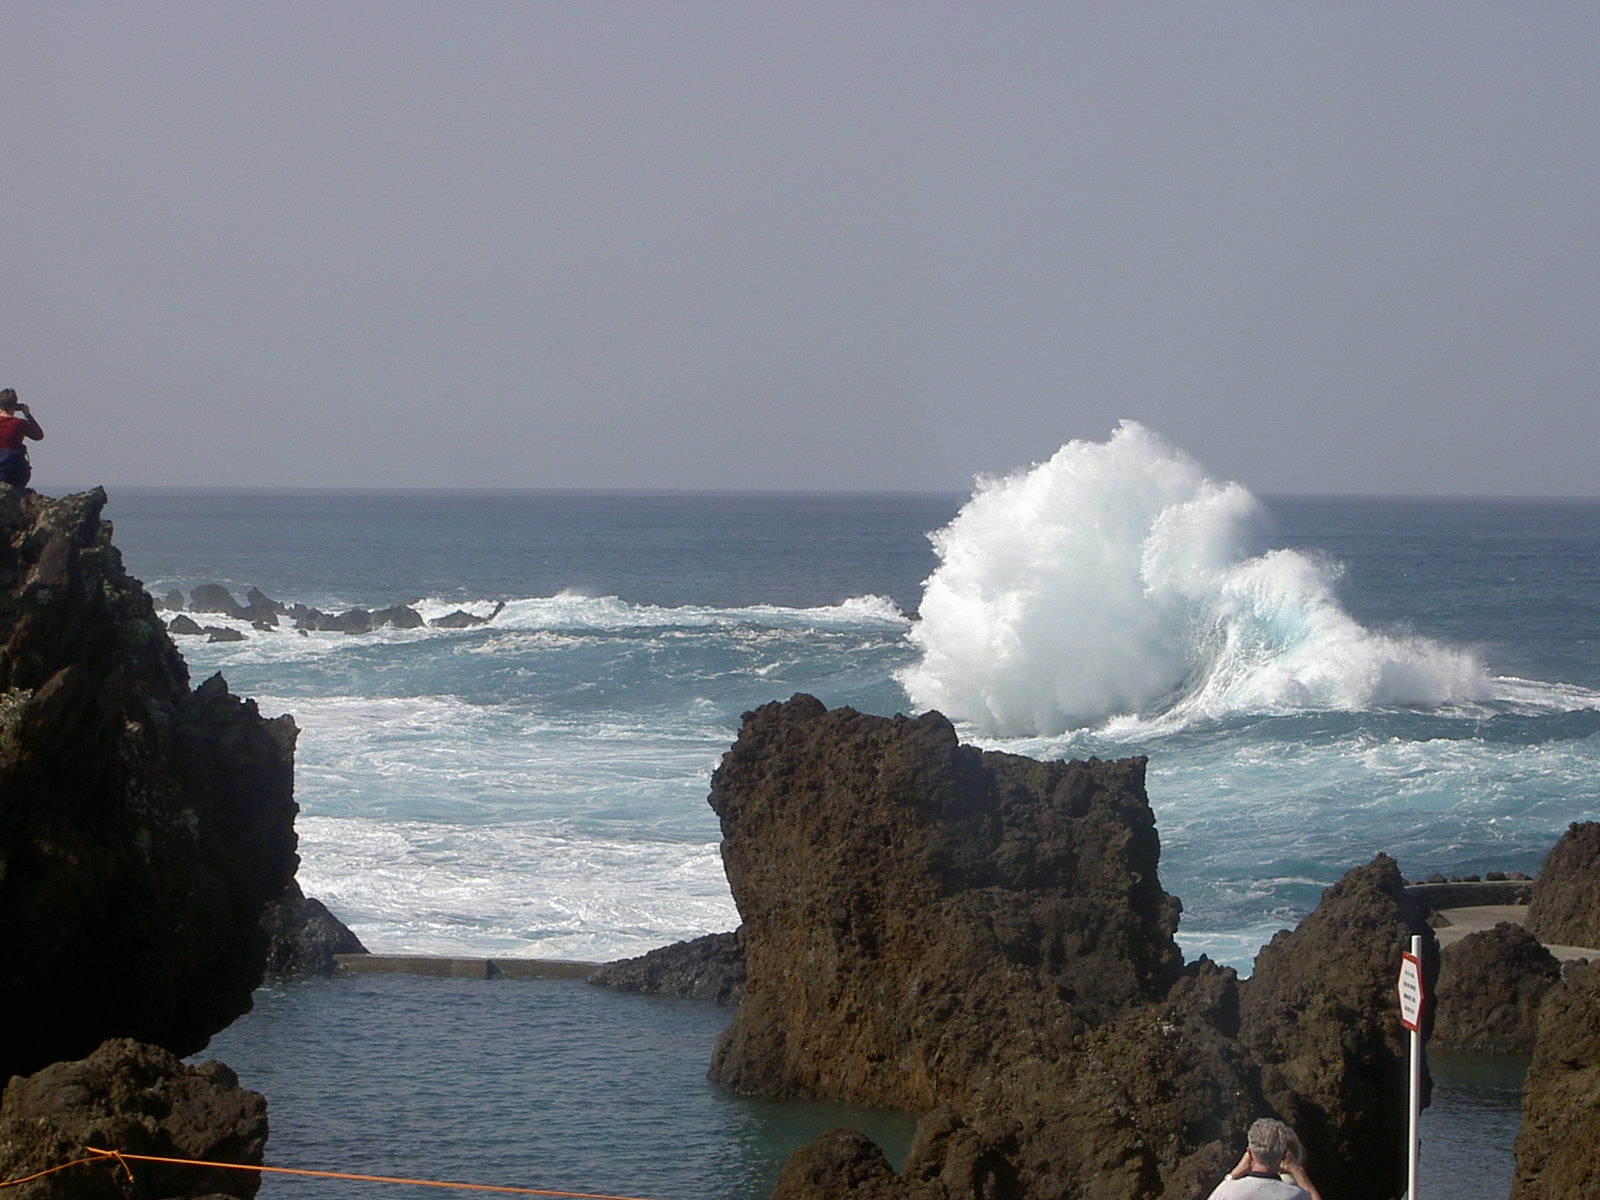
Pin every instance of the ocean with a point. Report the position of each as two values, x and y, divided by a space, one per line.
1314 680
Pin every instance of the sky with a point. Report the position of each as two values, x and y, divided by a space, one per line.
865 245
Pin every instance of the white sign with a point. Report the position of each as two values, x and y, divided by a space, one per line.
1410 992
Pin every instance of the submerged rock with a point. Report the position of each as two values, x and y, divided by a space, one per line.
136 1099
983 938
145 826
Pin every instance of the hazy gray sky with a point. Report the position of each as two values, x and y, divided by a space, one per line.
1349 247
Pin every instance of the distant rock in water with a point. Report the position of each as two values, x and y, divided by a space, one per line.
140 1100
1491 984
983 938
461 619
706 968
1565 908
214 598
145 826
1558 1145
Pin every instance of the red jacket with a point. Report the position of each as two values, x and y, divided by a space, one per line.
14 428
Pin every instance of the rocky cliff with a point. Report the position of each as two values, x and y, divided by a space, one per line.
1564 909
145 826
983 938
1558 1145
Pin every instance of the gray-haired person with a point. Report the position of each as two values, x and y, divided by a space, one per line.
1273 1151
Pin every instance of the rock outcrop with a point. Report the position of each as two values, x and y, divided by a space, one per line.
706 968
1491 984
303 936
983 938
265 614
1319 1014
145 825
1565 907
139 1100
1558 1145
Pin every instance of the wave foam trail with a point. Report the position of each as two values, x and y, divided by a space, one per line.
1115 580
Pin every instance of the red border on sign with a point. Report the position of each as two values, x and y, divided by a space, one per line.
1416 963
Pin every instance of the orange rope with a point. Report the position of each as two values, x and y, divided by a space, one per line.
96 1157
99 1155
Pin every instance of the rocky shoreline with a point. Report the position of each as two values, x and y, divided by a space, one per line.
977 937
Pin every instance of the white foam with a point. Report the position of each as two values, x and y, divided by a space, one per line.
529 889
1115 581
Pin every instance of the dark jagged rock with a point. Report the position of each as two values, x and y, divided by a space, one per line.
145 826
895 884
461 619
1558 1145
259 602
1490 986
706 968
184 625
983 938
136 1099
1565 907
1319 1014
400 616
217 634
174 600
355 620
214 598
304 936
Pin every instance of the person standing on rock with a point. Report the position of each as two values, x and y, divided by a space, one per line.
1272 1148
15 468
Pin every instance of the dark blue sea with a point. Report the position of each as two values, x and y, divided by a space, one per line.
1314 680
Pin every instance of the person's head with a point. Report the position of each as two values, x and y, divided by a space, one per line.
8 399
1270 1143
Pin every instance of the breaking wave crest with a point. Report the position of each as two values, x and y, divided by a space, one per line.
1115 580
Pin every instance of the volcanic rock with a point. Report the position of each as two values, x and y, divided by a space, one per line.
1558 1145
983 938
1490 986
304 936
1319 1013
261 604
140 1100
1565 908
145 826
214 598
706 968
462 619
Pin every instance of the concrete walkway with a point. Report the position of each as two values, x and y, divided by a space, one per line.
1463 921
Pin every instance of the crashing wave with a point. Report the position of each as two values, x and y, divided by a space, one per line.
1116 580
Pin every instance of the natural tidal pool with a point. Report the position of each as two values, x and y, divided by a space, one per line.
554 1084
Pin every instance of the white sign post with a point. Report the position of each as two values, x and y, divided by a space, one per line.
1411 997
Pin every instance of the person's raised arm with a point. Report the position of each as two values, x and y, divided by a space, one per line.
33 430
1298 1174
